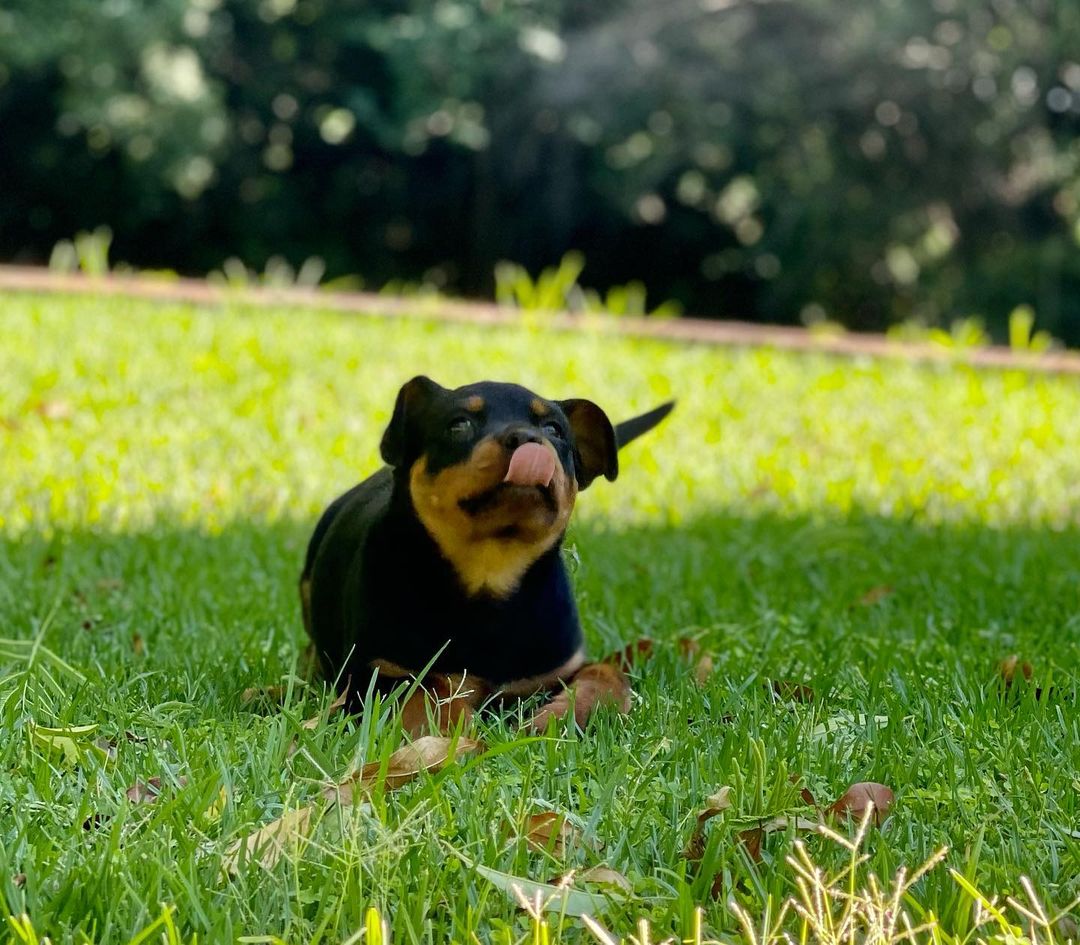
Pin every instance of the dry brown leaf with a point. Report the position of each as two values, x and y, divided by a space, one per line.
703 662
274 695
428 753
597 684
1010 665
720 801
804 791
137 645
857 799
750 840
446 701
632 653
703 669
148 792
336 706
876 595
549 831
53 409
18 880
714 804
270 842
788 690
598 875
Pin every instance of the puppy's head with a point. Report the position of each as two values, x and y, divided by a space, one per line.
493 471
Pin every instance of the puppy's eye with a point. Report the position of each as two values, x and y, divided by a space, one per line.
461 428
553 429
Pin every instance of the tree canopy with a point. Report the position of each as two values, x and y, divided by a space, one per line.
762 159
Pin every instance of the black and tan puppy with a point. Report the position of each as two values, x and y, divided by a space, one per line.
449 557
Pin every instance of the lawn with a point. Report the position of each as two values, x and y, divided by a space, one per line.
885 533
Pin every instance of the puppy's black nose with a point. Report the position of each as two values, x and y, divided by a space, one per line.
513 437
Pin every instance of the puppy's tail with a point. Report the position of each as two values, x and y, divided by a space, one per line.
631 429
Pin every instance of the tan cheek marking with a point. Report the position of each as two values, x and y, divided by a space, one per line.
534 684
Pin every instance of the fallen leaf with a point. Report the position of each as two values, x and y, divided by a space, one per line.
71 742
18 880
630 654
788 690
597 684
858 798
750 840
272 695
445 701
1010 665
428 753
137 645
703 669
559 899
714 804
549 831
720 801
53 409
703 662
597 875
804 791
336 706
149 791
270 842
876 595
106 746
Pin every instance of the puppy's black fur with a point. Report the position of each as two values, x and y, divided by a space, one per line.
437 554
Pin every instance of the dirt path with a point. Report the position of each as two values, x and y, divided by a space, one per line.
693 330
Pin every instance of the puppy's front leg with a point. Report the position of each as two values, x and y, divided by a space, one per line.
595 684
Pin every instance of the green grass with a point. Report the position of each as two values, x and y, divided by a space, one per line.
162 466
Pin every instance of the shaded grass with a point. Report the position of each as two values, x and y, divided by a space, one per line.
160 472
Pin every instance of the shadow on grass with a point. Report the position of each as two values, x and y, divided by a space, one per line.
794 595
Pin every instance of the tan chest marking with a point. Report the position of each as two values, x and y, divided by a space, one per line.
484 562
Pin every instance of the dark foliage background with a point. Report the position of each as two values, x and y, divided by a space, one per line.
869 162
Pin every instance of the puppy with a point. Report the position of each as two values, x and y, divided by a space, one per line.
448 559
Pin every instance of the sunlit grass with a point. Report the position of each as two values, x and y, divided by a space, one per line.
884 532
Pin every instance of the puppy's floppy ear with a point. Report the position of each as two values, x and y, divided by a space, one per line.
595 450
412 400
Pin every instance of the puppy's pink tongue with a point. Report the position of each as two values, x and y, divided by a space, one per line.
532 464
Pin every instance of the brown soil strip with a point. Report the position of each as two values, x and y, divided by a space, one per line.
694 330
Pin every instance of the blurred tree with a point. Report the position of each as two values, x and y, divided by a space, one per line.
767 159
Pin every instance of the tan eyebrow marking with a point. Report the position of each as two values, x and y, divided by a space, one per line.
539 407
475 403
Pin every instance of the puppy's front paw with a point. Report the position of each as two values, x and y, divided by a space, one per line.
595 685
